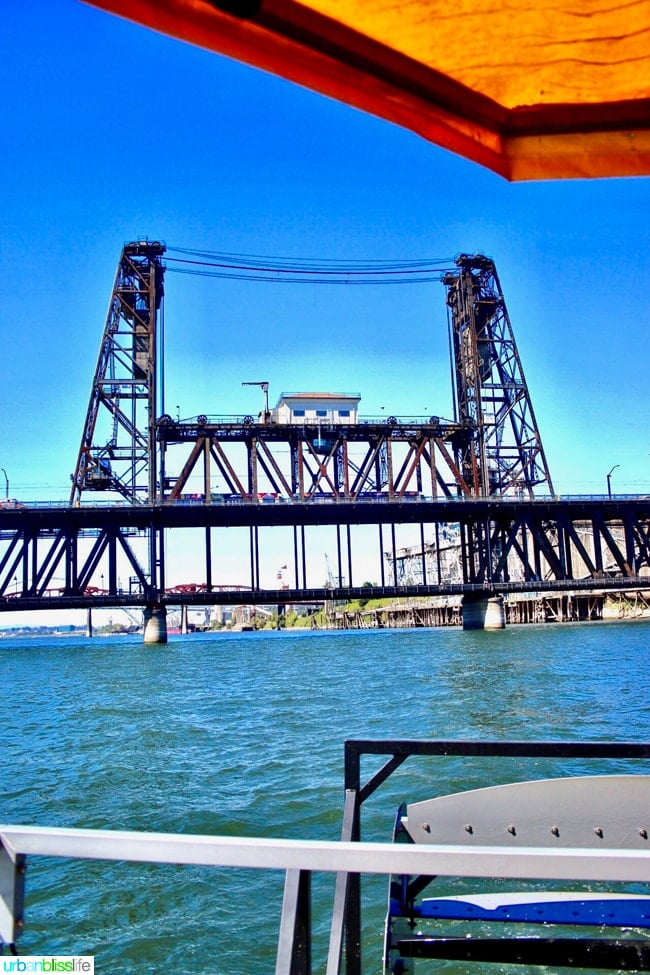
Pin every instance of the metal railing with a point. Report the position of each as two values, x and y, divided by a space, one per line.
363 498
298 859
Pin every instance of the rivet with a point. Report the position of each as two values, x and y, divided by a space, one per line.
512 830
426 827
598 831
643 833
469 828
555 831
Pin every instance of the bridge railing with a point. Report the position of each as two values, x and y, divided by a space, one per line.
364 498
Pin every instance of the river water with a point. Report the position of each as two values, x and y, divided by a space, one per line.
242 734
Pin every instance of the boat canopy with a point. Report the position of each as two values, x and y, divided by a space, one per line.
548 90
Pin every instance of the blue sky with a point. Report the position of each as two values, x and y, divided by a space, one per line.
111 133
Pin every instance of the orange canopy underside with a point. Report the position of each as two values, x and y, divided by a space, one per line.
532 90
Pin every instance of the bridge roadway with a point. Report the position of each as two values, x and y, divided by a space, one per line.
560 544
320 510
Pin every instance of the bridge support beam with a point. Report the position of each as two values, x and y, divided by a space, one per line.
155 624
483 612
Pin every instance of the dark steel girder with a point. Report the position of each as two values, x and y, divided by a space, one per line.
606 515
503 545
143 597
299 462
33 557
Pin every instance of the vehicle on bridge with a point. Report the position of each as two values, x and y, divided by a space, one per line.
11 503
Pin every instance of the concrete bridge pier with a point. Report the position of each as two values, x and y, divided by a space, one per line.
155 624
482 611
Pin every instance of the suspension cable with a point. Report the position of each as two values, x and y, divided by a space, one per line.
252 267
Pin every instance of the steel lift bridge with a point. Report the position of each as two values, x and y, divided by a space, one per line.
481 478
492 447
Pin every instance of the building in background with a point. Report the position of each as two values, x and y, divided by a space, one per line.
316 408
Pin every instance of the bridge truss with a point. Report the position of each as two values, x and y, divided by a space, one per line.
97 555
246 460
491 448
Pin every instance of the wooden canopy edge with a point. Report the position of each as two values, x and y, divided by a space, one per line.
580 155
288 40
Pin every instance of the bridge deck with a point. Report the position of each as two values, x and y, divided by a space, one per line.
502 545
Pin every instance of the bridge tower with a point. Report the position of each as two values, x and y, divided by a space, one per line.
118 445
505 455
118 449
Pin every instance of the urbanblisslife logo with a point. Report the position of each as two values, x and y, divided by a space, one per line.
82 964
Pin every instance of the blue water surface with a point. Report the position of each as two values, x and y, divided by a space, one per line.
242 734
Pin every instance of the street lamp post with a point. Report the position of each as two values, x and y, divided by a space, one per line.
6 482
609 480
